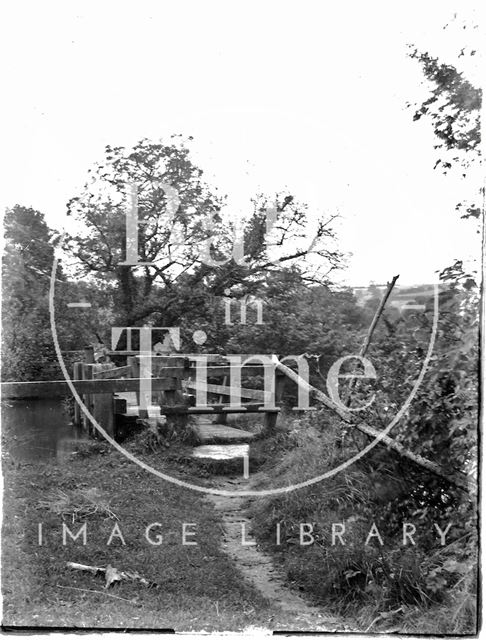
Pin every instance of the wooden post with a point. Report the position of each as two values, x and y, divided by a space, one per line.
173 396
270 419
77 375
134 363
222 418
103 404
87 371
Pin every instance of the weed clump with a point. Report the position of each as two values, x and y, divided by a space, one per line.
77 504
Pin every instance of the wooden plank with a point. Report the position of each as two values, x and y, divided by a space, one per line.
254 394
215 409
220 434
212 370
225 370
216 358
56 388
118 372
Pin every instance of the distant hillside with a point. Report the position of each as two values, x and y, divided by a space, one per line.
400 296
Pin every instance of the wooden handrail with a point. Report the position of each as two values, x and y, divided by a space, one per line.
224 390
57 388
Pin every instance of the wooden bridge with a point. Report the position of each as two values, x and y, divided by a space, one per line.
112 394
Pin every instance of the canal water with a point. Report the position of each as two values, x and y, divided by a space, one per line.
41 429
38 429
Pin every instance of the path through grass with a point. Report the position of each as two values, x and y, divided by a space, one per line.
200 588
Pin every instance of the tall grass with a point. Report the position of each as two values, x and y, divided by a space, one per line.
383 586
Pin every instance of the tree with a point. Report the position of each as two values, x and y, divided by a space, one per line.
26 340
189 249
27 343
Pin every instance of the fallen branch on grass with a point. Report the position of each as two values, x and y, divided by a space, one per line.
112 574
458 479
313 392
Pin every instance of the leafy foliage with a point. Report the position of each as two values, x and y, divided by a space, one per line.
180 223
454 108
27 343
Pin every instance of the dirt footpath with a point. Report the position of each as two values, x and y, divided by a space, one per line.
258 568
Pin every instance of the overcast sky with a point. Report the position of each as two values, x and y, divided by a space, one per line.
305 96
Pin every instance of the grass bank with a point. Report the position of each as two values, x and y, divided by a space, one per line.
199 587
419 586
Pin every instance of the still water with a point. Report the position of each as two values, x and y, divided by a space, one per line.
38 429
221 451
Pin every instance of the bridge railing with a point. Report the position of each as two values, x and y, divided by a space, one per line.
175 387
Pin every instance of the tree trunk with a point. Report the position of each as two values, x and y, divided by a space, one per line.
127 290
